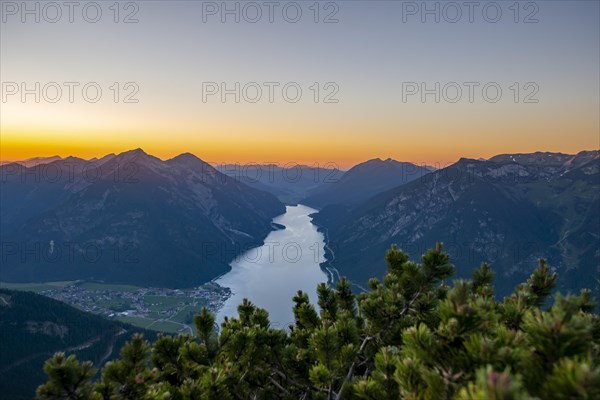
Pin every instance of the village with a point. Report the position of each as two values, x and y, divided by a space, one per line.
160 309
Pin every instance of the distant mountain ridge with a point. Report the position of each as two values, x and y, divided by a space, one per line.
559 160
34 161
509 210
173 223
365 180
289 183
181 221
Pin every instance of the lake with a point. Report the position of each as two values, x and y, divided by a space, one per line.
270 275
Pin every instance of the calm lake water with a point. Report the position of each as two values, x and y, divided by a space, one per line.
270 275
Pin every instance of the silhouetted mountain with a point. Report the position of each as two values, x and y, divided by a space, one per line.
290 184
103 159
32 162
30 191
365 180
131 218
33 327
509 211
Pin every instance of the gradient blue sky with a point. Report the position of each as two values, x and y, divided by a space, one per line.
369 53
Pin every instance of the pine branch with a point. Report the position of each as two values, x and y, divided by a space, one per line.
351 370
274 382
293 382
367 339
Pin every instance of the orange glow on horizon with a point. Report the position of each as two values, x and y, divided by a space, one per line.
17 144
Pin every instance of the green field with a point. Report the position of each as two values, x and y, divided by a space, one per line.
160 326
106 286
136 321
164 303
167 326
35 286
118 305
165 313
181 315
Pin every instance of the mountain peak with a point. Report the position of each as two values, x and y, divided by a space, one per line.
138 151
373 161
536 158
55 157
380 161
137 156
186 156
187 159
71 159
134 154
34 161
467 159
366 180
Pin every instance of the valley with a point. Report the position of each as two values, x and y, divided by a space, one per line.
212 240
340 200
157 309
270 275
133 227
233 231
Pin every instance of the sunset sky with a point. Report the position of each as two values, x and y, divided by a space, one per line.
368 55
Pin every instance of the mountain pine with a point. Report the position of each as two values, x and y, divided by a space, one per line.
413 335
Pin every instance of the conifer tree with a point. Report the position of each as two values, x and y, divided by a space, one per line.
67 379
413 335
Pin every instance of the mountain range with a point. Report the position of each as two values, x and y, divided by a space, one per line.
509 211
290 183
32 162
317 186
129 218
365 180
133 218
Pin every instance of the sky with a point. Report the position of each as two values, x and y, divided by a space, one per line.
339 82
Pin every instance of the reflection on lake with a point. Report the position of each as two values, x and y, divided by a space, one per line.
270 275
